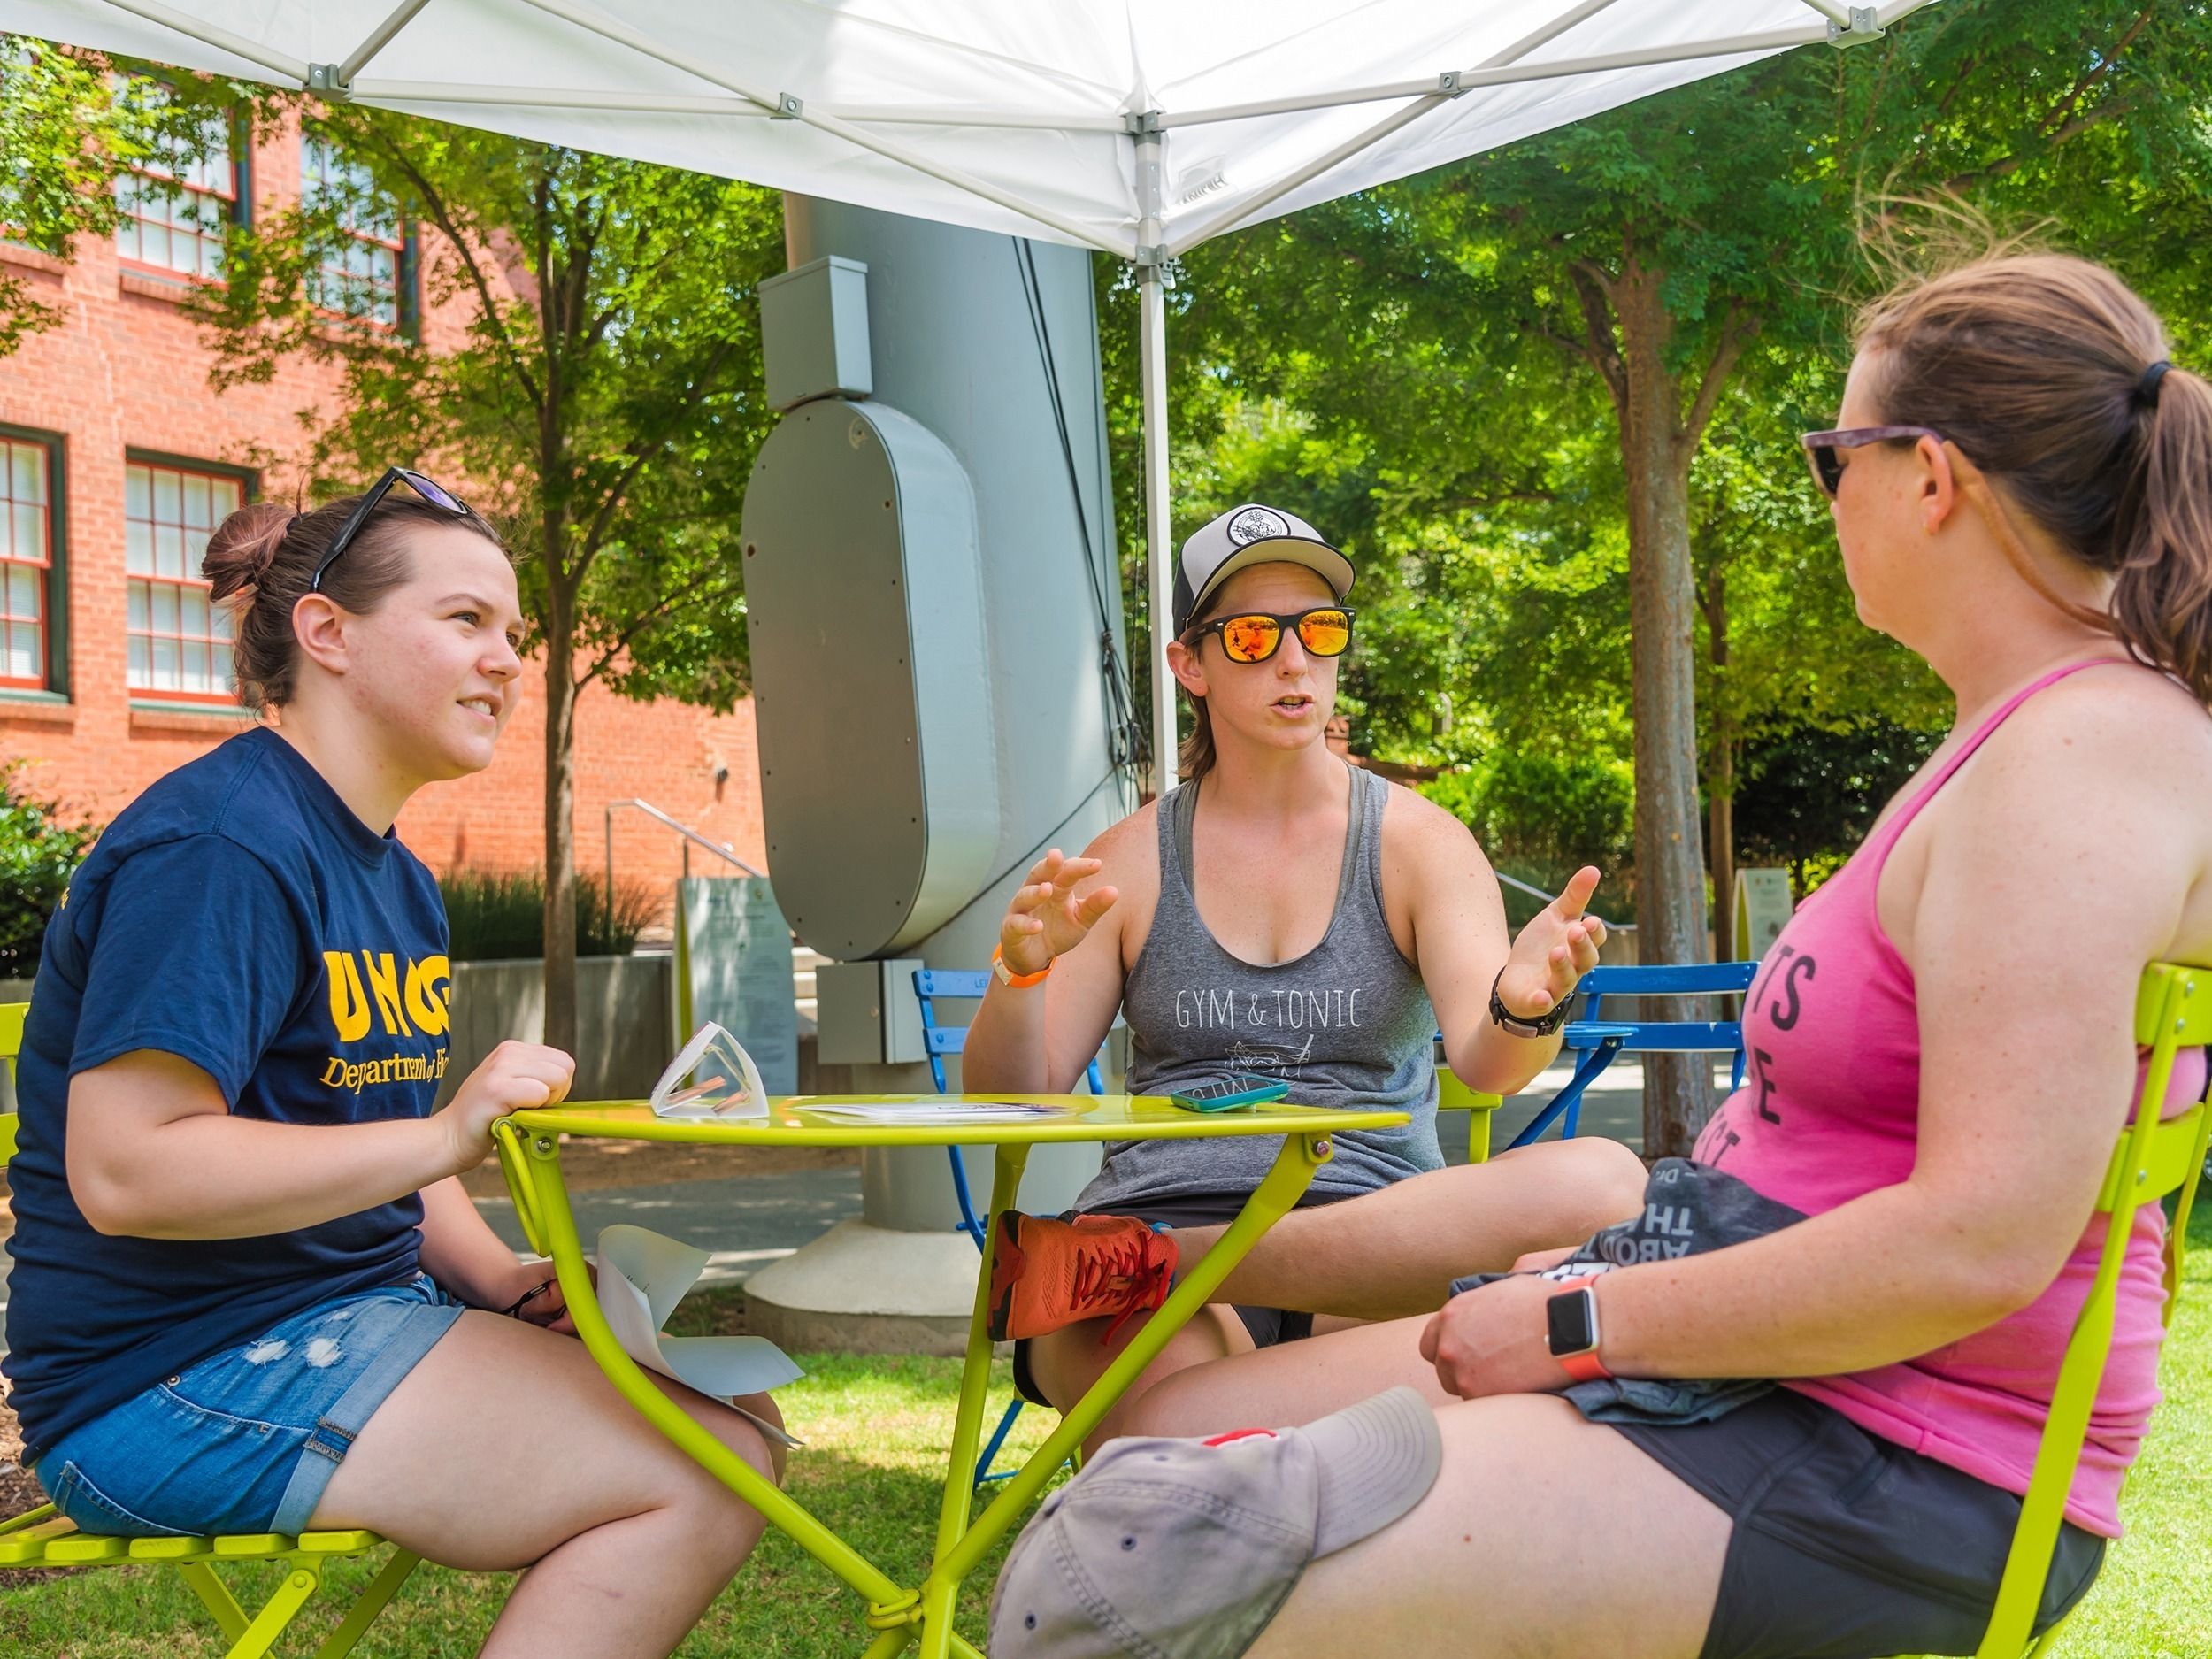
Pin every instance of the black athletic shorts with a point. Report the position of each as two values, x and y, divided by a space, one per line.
1267 1326
1847 1545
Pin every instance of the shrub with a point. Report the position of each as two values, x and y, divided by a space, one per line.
1542 819
497 914
39 848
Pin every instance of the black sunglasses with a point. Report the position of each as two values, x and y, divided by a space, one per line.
1254 636
443 499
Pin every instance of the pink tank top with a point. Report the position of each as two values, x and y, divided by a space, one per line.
1829 1109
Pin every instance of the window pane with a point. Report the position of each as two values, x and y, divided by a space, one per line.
23 642
223 674
138 547
140 672
224 495
195 502
23 592
168 550
194 620
30 532
168 497
138 493
153 244
139 621
28 473
166 675
194 671
165 608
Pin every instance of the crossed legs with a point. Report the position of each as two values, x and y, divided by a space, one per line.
1383 1256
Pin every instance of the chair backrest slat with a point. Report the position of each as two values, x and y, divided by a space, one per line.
2157 1156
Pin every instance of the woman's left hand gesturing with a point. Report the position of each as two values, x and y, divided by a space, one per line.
1554 951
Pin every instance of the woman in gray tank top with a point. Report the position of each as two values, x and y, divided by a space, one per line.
1282 913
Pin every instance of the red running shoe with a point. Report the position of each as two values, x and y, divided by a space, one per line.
1046 1273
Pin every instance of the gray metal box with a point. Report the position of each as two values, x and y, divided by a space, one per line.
866 1013
814 332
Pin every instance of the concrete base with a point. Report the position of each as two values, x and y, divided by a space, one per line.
859 1289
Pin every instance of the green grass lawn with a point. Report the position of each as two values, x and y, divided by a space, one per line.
877 1430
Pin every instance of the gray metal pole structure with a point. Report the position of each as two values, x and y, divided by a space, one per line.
968 333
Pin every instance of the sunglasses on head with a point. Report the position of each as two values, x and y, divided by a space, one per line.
1823 449
1326 631
436 493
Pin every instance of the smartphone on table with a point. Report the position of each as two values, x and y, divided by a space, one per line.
1229 1091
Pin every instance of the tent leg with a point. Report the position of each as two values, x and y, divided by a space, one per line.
1152 375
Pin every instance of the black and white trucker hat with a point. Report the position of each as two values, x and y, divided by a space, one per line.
1247 536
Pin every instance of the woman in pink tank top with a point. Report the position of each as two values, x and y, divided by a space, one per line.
1941 1060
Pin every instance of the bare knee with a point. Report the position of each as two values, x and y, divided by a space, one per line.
1612 1174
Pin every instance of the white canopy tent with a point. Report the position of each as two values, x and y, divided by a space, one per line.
1138 127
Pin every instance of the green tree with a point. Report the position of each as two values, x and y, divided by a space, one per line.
602 396
70 127
1625 275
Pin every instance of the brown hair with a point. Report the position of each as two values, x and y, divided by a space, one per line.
2039 367
259 561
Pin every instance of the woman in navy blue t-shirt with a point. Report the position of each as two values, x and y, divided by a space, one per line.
249 1293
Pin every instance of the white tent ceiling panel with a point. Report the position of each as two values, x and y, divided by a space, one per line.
984 112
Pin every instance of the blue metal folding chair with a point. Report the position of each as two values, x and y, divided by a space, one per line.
942 1039
1596 1040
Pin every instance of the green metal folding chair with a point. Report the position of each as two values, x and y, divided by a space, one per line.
44 1537
2173 1011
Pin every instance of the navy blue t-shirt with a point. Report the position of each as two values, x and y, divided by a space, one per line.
238 915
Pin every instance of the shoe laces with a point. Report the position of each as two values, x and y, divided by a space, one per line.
1129 1276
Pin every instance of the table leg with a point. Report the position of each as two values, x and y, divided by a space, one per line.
1294 1171
537 1164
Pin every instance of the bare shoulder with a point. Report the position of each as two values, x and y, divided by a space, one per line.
1415 826
2133 729
1129 850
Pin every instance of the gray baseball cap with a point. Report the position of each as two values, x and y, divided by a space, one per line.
1185 1549
1251 535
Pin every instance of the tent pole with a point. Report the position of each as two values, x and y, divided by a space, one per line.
1158 522
209 35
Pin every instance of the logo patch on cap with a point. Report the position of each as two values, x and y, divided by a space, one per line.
1256 524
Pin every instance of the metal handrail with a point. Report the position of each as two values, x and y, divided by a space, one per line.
684 830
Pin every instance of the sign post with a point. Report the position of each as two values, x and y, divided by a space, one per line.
1764 904
733 967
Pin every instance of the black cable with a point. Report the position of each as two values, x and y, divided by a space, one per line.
1127 745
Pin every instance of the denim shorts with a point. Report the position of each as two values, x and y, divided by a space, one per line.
246 1440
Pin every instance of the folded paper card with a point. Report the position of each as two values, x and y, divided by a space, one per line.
712 1077
642 1276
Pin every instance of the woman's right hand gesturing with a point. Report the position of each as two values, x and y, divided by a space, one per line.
1045 920
514 1076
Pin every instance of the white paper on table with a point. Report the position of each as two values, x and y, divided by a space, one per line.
712 1077
642 1276
933 1108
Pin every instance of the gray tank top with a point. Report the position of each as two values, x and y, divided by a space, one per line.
1348 1024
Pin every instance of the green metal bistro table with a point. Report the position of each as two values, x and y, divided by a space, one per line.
529 1147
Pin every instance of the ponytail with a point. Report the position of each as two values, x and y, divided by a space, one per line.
2050 374
2162 604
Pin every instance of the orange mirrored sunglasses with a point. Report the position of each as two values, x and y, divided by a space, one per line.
1256 636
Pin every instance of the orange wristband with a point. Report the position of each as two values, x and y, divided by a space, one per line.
1019 981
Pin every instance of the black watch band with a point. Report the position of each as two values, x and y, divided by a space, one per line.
1513 1025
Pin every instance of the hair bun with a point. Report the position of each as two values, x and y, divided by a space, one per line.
243 547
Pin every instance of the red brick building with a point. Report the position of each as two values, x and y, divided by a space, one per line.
117 458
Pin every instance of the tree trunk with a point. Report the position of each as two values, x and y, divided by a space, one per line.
1720 781
1655 452
1721 830
560 821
